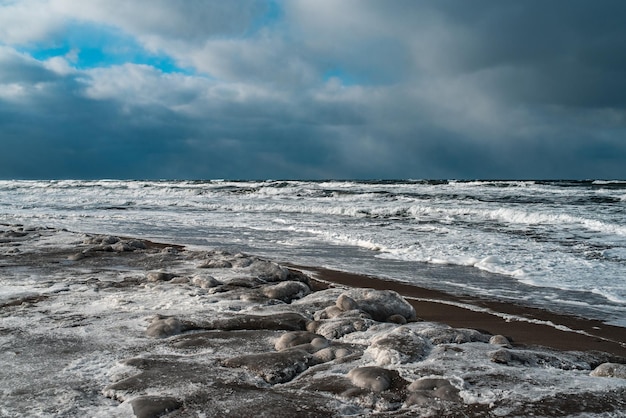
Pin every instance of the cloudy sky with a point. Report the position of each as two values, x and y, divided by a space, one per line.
310 89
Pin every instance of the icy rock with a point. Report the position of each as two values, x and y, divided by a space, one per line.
500 340
278 367
327 313
294 338
502 356
154 406
288 321
376 379
121 247
397 319
287 291
338 327
268 271
205 282
382 304
438 335
346 303
159 276
215 264
400 346
427 388
610 370
161 327
335 352
170 250
100 240
137 244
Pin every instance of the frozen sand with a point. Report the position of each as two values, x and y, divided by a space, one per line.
103 326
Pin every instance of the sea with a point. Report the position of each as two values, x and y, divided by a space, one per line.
556 245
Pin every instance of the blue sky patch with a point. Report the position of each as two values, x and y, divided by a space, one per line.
94 46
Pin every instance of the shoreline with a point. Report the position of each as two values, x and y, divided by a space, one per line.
523 326
147 328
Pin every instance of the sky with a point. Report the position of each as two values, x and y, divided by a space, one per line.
312 89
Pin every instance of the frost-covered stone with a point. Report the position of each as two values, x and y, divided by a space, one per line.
500 340
159 276
346 303
287 291
154 406
441 335
205 282
376 379
277 367
338 327
215 264
382 304
610 370
327 313
502 356
400 346
164 327
295 338
268 271
424 390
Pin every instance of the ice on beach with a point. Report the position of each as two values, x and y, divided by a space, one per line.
138 329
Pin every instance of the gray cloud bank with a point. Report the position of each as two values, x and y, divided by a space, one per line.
319 89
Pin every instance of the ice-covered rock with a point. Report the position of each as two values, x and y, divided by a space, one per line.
154 406
159 276
269 271
215 264
610 370
500 340
381 304
424 390
375 379
501 356
288 321
440 335
276 367
402 345
346 303
338 327
161 327
205 282
286 291
295 338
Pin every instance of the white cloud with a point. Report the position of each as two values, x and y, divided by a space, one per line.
28 21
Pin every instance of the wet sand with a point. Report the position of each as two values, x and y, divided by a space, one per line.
435 306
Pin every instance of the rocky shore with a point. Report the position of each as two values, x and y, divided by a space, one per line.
94 325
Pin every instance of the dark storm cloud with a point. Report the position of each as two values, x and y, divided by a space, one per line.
319 89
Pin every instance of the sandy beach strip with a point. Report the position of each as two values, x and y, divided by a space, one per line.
522 325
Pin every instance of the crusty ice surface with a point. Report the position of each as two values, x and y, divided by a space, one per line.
114 327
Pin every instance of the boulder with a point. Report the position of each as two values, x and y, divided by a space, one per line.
400 346
380 304
424 390
277 367
375 379
286 291
295 338
159 276
154 406
161 327
610 370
